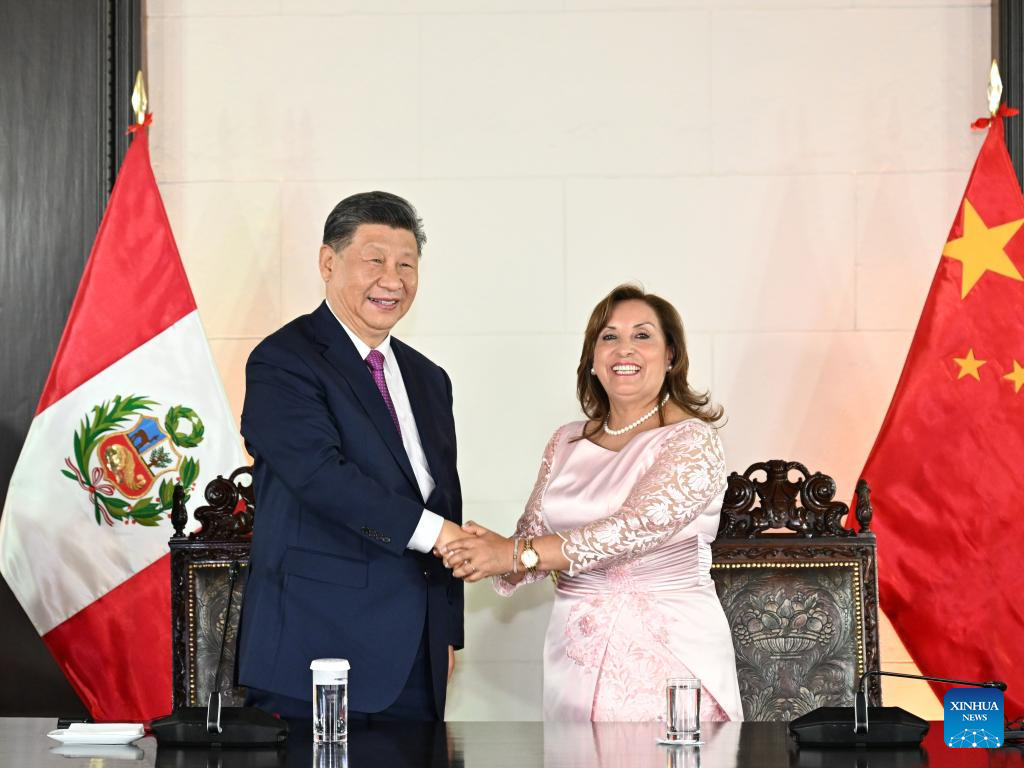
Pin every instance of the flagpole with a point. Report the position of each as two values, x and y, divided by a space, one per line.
140 102
994 90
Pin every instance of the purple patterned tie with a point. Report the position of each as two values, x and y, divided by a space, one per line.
375 362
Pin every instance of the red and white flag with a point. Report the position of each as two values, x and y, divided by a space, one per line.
132 405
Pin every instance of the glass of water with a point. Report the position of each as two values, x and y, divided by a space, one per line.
682 713
330 700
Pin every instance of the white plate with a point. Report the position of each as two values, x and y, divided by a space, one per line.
97 735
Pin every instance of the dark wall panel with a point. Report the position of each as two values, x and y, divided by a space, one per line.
61 139
1008 50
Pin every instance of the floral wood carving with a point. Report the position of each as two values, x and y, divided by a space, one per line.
211 601
805 505
804 620
229 516
795 639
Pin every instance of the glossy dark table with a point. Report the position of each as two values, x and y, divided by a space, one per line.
23 743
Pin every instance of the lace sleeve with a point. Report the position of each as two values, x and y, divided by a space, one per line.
687 474
531 524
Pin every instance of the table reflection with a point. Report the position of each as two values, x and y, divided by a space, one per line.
858 758
99 751
330 756
576 745
610 745
402 745
204 757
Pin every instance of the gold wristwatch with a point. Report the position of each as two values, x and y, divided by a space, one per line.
528 556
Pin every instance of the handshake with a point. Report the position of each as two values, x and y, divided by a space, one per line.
473 552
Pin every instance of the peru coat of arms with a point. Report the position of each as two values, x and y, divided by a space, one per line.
123 452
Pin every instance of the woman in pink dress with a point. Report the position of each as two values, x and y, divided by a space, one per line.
625 508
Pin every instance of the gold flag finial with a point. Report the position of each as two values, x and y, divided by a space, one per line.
139 101
995 89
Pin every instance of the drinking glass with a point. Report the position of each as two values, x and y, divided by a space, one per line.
682 715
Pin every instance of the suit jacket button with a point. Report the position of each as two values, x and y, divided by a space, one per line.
386 539
426 574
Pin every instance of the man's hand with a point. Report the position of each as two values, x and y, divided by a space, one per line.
481 554
449 533
451 662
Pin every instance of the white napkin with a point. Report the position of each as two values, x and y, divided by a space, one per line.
107 727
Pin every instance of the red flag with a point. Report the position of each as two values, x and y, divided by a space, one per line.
947 469
132 405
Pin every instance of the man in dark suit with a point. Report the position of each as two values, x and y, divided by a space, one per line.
353 439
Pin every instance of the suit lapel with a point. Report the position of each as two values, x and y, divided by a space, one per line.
416 388
343 357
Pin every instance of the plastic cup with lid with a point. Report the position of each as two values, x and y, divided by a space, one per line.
330 700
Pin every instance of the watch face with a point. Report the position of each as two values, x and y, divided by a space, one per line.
529 558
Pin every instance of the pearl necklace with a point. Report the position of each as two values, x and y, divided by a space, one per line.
638 422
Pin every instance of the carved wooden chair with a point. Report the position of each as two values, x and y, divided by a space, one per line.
201 563
800 591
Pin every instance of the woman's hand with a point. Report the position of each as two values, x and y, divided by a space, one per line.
481 554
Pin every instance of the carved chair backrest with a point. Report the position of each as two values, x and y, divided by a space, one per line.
803 603
200 564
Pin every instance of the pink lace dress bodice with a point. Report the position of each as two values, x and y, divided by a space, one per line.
637 604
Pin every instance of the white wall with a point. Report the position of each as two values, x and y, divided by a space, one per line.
785 172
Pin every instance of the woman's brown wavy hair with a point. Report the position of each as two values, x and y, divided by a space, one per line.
592 396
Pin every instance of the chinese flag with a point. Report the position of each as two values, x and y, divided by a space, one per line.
947 469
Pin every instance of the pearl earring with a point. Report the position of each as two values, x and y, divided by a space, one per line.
593 372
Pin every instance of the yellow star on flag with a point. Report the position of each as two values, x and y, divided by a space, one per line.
969 365
980 250
1017 377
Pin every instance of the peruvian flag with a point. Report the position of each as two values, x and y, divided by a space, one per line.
133 404
947 469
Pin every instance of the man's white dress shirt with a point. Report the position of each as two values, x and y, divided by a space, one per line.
429 526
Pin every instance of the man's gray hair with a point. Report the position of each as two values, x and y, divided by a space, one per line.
371 208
